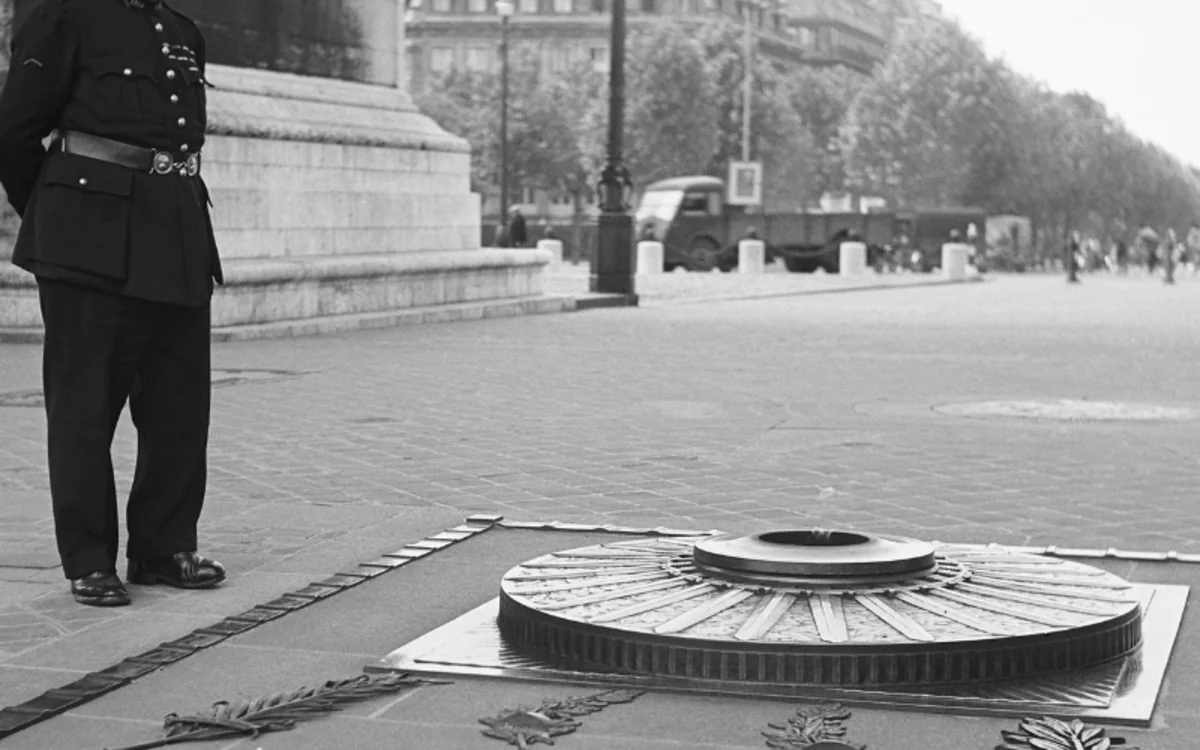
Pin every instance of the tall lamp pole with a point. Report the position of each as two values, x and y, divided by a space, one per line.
747 77
612 263
504 9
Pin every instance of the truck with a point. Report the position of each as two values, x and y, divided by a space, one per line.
700 230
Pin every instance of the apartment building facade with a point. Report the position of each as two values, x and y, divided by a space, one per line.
443 35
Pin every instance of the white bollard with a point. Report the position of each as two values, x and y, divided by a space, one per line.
555 248
649 258
852 259
752 256
954 261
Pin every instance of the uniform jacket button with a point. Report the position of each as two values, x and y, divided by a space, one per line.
158 27
128 71
170 75
82 180
184 148
166 49
182 121
174 98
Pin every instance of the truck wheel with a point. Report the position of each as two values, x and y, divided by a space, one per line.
702 254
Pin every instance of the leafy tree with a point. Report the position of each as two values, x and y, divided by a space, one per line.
913 132
670 118
822 97
779 136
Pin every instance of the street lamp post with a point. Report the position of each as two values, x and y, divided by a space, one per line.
504 9
612 263
747 76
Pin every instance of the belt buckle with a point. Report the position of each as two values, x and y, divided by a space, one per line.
192 164
162 163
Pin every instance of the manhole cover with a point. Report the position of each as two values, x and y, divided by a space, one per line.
1071 410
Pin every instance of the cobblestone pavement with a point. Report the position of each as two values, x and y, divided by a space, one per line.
797 410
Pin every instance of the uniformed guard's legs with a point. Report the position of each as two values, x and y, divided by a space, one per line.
170 406
94 343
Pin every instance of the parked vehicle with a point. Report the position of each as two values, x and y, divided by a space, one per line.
700 231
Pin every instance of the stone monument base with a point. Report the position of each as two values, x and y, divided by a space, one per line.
335 205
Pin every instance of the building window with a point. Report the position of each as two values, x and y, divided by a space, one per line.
558 59
477 6
441 60
648 6
599 6
440 6
529 6
479 58
564 6
598 56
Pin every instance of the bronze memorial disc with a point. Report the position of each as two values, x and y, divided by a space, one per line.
808 607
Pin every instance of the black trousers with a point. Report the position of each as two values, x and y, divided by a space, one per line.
102 349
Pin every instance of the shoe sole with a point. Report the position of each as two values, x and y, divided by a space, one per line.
146 579
101 602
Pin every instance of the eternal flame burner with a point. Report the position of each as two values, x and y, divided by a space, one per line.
817 608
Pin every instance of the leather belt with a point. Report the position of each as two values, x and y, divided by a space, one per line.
142 159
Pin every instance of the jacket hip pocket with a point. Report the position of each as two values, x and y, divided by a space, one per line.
81 218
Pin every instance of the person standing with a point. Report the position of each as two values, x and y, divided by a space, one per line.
1170 256
116 228
1072 259
518 234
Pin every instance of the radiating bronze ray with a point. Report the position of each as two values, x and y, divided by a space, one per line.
1071 593
979 602
768 613
1013 596
706 610
605 596
653 604
905 625
923 601
591 583
1058 578
582 573
829 617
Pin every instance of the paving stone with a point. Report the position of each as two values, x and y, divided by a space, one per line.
20 684
536 418
100 647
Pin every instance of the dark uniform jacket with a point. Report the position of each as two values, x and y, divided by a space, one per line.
131 71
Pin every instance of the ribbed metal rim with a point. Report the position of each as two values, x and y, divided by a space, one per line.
603 648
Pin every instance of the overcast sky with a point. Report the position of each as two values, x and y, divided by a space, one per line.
1139 57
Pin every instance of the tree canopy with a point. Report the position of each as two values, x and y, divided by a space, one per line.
939 122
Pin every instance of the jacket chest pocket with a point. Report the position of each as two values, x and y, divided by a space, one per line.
127 89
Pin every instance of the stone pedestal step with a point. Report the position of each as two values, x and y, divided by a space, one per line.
477 310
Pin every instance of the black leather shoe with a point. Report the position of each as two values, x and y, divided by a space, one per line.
101 589
183 570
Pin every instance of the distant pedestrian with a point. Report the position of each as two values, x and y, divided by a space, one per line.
1072 259
1170 250
518 235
